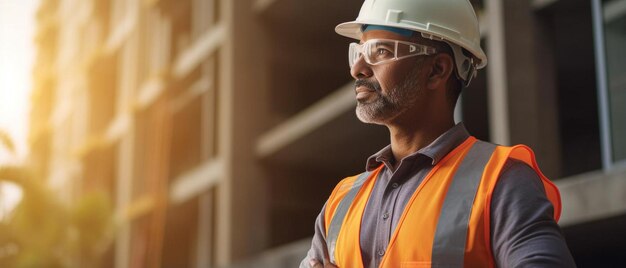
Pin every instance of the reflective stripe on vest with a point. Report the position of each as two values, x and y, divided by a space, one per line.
452 226
340 214
451 234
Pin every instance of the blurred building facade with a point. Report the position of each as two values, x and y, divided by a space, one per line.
219 127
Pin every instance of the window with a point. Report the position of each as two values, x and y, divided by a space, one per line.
614 18
568 34
103 89
154 41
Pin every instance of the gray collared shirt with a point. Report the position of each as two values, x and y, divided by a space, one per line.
523 233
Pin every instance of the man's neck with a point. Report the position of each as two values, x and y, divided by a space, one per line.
409 139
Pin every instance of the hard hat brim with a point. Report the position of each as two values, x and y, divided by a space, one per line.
350 29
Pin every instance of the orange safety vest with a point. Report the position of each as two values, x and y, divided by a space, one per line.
446 221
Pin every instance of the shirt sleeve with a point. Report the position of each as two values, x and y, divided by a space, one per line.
523 231
319 250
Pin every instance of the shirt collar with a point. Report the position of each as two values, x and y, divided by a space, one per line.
435 151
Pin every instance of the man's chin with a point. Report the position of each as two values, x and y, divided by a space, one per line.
368 117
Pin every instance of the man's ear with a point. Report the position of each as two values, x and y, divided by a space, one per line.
442 66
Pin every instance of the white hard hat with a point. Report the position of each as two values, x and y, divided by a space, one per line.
451 21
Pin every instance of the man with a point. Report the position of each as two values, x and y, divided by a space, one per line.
435 197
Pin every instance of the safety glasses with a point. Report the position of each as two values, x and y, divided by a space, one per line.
379 51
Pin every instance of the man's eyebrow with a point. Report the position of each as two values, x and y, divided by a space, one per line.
387 44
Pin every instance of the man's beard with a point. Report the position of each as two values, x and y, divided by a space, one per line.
388 106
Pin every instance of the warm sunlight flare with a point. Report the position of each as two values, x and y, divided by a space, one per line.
10 195
17 52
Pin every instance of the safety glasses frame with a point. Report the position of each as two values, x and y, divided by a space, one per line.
410 49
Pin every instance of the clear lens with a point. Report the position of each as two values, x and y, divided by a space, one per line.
379 51
354 54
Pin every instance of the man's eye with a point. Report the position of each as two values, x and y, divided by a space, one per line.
382 51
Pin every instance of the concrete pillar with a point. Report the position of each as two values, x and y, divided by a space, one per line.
531 84
250 213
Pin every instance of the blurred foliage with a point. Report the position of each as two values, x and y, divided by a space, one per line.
6 141
42 231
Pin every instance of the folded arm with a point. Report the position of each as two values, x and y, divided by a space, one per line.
318 254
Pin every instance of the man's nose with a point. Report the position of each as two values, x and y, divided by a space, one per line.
361 69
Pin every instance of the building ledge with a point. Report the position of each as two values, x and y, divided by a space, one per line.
196 181
139 207
306 121
329 126
121 32
116 129
593 196
194 55
149 92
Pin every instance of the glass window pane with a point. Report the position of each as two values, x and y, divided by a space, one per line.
615 37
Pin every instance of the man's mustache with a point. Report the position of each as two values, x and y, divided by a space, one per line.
373 85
